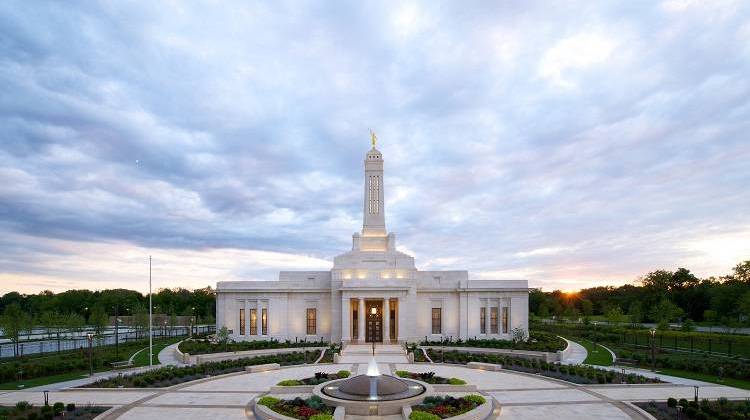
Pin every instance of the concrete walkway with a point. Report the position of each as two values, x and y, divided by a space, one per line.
362 353
167 356
577 354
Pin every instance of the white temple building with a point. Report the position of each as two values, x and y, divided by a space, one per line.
373 293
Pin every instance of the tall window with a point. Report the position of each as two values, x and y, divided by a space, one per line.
355 323
373 196
493 320
436 320
253 322
311 321
483 320
264 321
505 320
242 322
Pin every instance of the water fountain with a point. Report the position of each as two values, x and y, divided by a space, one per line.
373 393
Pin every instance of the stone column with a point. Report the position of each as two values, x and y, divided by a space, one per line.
246 327
258 317
487 329
361 316
346 319
500 316
387 320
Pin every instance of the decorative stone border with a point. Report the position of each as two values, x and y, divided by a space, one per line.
479 413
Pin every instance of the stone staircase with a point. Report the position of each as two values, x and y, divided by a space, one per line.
384 353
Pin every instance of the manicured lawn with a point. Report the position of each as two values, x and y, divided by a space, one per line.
737 383
598 355
141 358
28 383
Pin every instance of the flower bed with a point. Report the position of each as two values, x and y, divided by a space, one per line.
312 408
719 409
171 375
319 378
538 341
430 378
438 407
572 373
58 410
195 347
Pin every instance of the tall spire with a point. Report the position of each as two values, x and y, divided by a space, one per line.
374 206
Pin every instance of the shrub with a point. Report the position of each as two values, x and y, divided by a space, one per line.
33 416
58 408
456 381
22 406
315 402
671 402
402 373
290 382
421 415
343 374
70 407
321 416
268 401
476 399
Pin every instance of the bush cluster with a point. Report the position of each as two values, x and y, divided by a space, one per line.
319 378
429 377
444 407
207 347
26 411
573 373
719 409
171 375
311 408
538 341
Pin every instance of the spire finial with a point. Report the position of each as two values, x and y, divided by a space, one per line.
373 138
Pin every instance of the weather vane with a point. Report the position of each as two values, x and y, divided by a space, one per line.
373 138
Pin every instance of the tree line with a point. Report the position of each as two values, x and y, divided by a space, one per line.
58 313
660 296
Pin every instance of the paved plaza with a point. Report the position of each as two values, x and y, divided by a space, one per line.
522 396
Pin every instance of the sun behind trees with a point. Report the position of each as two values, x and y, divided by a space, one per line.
660 296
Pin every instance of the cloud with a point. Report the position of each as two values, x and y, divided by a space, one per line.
520 139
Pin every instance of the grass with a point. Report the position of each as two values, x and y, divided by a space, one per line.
737 383
28 383
597 355
141 356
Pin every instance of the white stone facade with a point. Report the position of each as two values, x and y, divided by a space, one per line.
372 293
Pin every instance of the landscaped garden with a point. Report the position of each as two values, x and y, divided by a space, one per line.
673 409
537 341
319 378
578 374
171 375
25 411
40 369
439 407
429 377
195 347
311 408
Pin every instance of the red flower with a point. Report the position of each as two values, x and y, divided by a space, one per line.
307 412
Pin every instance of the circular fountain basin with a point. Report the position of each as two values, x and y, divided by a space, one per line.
354 394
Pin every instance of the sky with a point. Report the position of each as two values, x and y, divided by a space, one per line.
573 144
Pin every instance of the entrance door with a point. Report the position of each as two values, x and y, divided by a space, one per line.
374 321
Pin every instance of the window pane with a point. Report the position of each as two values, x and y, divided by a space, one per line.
493 320
311 321
505 320
242 322
264 321
483 320
253 322
436 321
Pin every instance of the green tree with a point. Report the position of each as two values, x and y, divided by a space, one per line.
741 272
14 323
99 320
615 315
636 313
587 307
743 306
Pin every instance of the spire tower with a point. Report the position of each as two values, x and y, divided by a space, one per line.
373 210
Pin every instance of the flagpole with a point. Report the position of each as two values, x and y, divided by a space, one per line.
150 322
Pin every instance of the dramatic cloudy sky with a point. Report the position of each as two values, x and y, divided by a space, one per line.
569 143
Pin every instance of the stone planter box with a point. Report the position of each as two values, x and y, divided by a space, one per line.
484 366
439 388
262 368
294 389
